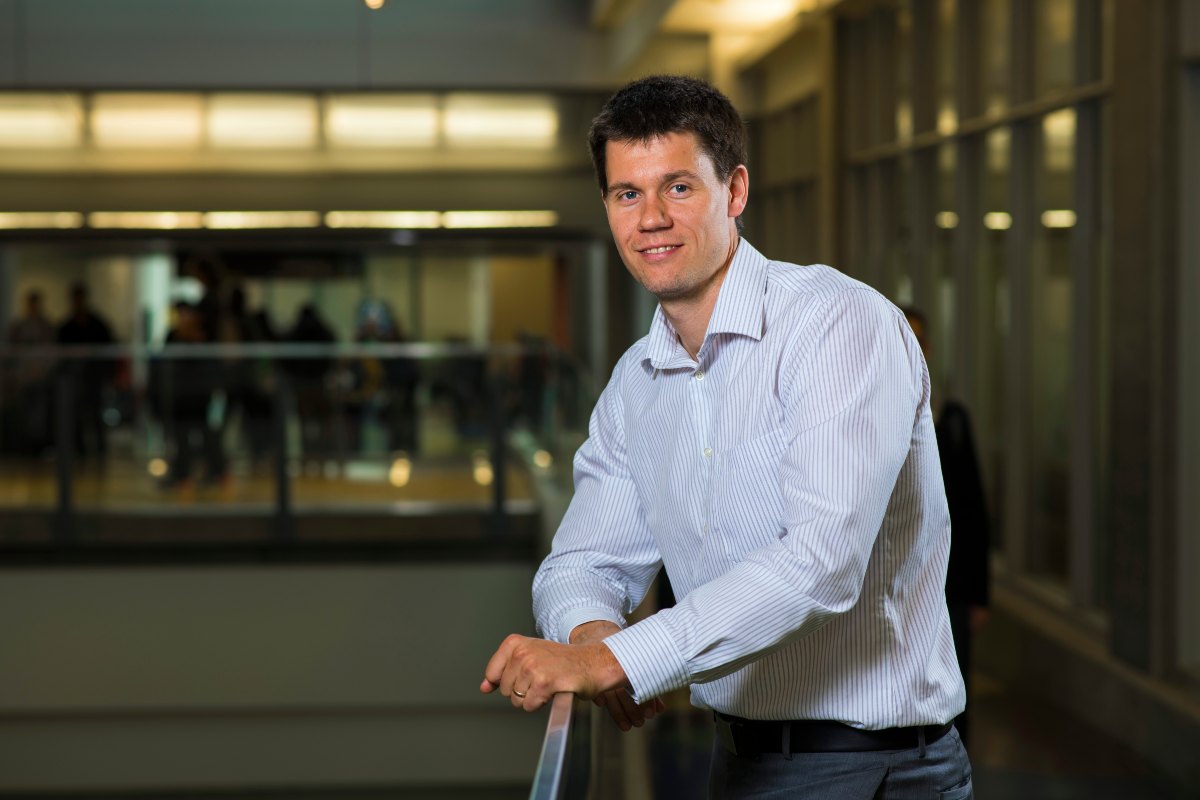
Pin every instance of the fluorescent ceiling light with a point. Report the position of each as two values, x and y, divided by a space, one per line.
234 220
727 15
499 219
135 120
1059 218
62 220
40 120
144 220
383 219
512 121
381 121
262 121
997 220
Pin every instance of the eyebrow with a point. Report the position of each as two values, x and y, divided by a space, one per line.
670 177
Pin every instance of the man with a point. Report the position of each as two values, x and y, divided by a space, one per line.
770 443
27 421
89 375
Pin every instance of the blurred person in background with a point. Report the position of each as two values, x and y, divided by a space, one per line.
88 375
181 394
27 422
248 377
309 375
967 577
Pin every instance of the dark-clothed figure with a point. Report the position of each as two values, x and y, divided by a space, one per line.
88 376
770 442
247 378
28 418
308 375
967 577
182 391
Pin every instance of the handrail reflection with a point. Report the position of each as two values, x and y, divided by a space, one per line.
563 765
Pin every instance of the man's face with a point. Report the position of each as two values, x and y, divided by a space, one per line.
672 218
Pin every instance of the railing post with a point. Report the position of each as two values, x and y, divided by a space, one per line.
64 417
285 523
498 414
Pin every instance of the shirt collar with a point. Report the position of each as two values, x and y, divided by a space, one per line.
739 310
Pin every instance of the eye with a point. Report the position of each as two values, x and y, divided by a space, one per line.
627 196
679 188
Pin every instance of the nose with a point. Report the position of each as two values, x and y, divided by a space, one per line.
654 214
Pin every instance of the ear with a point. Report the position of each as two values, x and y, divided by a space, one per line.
739 190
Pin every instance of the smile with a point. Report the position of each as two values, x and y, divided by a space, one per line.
664 249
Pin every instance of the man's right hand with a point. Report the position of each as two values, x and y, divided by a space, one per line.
621 707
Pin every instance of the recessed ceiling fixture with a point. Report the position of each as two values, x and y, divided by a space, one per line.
374 5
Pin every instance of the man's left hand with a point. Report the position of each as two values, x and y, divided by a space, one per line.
531 671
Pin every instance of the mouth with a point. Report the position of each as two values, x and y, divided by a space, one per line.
653 251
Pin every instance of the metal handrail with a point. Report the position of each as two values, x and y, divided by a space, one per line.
550 780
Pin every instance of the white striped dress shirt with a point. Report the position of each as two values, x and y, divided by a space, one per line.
789 482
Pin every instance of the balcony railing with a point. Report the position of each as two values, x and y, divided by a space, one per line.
280 444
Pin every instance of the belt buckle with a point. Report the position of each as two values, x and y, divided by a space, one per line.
725 733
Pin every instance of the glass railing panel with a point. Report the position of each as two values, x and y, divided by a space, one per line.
27 436
257 435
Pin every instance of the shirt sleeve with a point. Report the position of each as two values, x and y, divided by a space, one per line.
603 557
852 388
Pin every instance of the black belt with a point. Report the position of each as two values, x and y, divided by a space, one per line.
749 737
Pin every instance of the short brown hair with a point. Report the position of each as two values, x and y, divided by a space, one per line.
656 106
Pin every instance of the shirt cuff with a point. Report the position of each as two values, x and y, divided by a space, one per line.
651 662
576 617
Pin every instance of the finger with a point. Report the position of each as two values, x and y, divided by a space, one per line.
487 687
520 696
633 711
616 710
494 670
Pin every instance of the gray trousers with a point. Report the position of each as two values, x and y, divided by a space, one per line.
942 772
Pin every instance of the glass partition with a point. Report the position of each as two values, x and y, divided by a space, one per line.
200 443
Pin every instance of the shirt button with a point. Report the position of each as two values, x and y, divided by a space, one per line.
708 452
699 375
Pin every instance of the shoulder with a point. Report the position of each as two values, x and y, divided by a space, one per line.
800 296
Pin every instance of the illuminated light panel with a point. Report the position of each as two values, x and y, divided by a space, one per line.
381 121
136 120
712 15
238 121
40 120
499 219
400 473
383 219
946 220
62 220
475 120
235 220
997 220
145 220
374 5
1059 218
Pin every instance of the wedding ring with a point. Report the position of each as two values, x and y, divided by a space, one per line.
519 694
